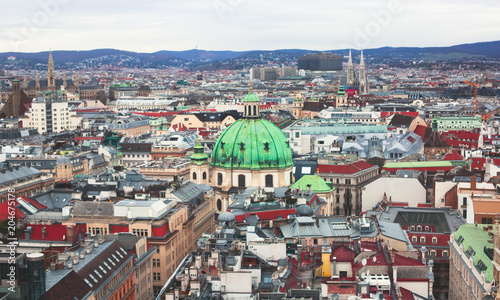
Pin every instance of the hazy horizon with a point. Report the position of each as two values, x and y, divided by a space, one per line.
249 50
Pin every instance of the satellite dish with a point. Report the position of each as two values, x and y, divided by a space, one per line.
363 262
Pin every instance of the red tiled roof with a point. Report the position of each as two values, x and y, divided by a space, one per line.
352 168
461 144
341 288
420 130
160 231
342 254
87 138
461 135
403 204
406 294
454 155
477 163
4 208
171 113
267 215
4 211
400 260
54 233
385 114
118 228
442 239
495 161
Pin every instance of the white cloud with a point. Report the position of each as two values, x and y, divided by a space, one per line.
154 25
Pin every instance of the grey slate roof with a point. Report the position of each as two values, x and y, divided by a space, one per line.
91 208
17 173
394 231
191 191
53 199
326 227
445 219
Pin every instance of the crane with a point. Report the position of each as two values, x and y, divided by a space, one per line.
475 85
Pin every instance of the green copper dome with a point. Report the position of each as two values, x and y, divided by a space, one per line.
252 144
251 97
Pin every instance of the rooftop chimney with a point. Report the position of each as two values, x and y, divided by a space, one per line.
473 182
70 233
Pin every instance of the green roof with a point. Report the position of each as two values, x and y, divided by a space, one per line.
251 97
341 91
478 240
462 122
199 156
418 164
315 182
340 128
252 144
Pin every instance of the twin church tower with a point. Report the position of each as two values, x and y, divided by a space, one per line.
360 82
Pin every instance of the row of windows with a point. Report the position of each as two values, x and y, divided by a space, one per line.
419 228
138 155
140 232
204 175
423 240
269 179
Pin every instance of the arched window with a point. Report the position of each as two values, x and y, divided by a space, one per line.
422 240
419 228
204 175
413 239
269 181
194 175
291 177
246 110
219 178
219 204
427 228
241 181
412 228
434 240
255 110
433 253
444 253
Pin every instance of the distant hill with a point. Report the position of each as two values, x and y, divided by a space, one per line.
196 58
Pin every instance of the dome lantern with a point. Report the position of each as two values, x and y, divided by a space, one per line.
251 102
199 156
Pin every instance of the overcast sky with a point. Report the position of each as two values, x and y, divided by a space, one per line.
153 25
